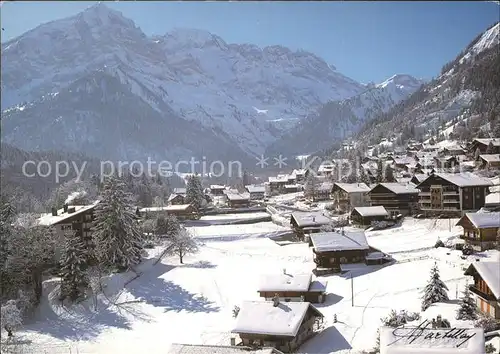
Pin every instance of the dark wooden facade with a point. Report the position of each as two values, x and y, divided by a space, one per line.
439 196
404 204
314 297
358 219
332 260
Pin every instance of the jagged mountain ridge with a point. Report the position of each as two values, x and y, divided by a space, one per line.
337 120
239 94
468 86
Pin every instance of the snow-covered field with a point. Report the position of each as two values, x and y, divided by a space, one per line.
193 302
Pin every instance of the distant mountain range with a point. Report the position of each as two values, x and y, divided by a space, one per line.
95 83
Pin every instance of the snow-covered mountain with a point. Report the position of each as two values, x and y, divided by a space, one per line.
337 120
190 83
462 100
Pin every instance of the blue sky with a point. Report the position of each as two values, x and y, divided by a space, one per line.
368 41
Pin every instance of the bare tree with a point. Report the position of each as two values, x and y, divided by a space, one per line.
183 243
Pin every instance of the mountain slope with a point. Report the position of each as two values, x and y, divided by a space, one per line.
465 97
99 115
337 120
188 77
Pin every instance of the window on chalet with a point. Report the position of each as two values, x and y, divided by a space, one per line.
88 217
343 260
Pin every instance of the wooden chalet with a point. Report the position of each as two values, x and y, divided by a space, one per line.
181 212
480 230
284 326
70 220
452 150
482 145
486 287
256 192
292 287
305 223
277 184
403 161
452 193
396 198
300 175
176 199
218 349
326 169
332 249
347 196
217 190
447 162
238 200
491 161
365 216
322 191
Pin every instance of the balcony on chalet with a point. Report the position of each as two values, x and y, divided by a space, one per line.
424 194
482 294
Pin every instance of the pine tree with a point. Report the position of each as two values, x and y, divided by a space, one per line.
467 310
74 266
389 174
363 176
310 186
194 192
380 171
166 226
183 244
117 237
435 290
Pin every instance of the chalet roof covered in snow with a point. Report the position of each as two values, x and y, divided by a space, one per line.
420 177
404 160
217 186
489 272
371 211
486 141
285 282
431 341
492 199
465 179
48 219
216 349
253 188
338 241
180 191
280 179
180 207
261 317
314 218
490 157
482 220
233 196
399 188
353 187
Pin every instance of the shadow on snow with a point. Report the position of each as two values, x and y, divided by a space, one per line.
328 341
153 290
